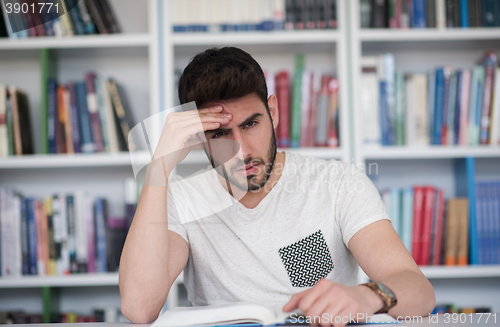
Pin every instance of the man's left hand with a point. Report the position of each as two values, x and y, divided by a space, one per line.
327 300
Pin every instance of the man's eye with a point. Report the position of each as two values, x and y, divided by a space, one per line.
218 135
251 123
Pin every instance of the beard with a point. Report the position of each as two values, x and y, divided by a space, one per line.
253 182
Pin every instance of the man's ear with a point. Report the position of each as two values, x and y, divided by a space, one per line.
272 102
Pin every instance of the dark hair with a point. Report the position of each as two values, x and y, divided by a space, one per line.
221 74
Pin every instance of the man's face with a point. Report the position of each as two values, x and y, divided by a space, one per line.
251 127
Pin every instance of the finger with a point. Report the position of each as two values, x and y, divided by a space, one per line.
294 301
315 293
217 108
320 306
203 119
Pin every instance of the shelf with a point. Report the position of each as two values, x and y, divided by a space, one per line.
76 280
77 41
408 35
439 272
399 35
241 38
71 160
199 156
432 152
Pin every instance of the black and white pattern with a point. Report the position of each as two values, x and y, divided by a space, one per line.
308 260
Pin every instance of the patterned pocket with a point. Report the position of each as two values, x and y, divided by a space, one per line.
308 260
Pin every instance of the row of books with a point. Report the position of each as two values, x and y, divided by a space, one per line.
98 315
15 122
252 15
437 231
87 116
446 106
397 14
488 221
74 17
433 234
58 235
307 105
452 308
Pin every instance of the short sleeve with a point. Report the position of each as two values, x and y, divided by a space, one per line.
358 202
174 223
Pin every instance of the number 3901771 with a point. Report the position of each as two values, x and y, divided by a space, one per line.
25 8
474 318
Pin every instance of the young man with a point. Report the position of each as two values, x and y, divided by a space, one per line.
294 239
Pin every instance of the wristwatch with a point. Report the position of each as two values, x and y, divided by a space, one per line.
385 293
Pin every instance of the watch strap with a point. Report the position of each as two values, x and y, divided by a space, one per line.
389 302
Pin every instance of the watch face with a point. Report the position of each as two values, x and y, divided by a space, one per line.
386 290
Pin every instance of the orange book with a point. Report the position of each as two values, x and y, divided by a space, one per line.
463 232
451 233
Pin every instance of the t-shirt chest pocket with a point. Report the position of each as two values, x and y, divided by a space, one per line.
307 261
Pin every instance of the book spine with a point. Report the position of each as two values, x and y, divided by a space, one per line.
450 119
93 112
464 14
283 96
60 121
426 225
321 130
488 13
305 107
332 118
490 64
87 143
25 250
100 234
76 16
74 118
451 233
438 106
407 217
379 14
419 14
495 114
40 253
431 103
464 108
71 223
399 109
439 227
32 235
52 115
463 243
295 124
418 204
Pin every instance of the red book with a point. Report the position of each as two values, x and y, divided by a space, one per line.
94 112
425 238
283 96
333 89
418 204
438 241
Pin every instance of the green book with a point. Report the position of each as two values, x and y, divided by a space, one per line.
50 298
295 120
400 109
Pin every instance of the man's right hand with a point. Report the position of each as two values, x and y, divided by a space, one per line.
178 136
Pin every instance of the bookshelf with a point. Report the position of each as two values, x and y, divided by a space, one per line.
130 57
144 58
417 50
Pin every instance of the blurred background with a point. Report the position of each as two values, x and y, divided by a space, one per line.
408 90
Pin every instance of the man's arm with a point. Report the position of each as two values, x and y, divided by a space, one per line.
388 261
152 258
379 251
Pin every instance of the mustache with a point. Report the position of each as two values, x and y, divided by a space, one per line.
241 163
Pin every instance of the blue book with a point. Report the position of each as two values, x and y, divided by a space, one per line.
74 118
395 209
480 223
76 16
100 235
384 116
52 115
491 221
32 239
419 14
407 217
438 106
431 102
464 14
465 186
87 144
496 214
458 104
25 249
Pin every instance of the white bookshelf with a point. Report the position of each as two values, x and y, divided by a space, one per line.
417 51
144 58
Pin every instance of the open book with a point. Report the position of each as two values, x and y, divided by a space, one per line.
236 313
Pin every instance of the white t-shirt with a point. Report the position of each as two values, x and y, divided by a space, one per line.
297 235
